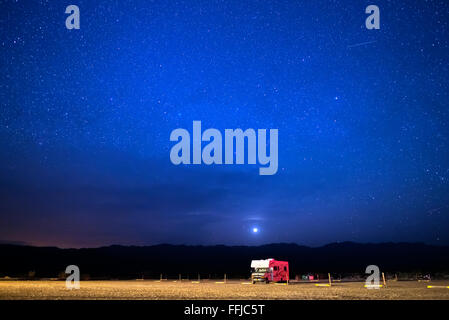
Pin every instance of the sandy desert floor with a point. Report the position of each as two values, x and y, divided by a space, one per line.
150 289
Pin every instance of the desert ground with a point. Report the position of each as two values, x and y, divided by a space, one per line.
231 290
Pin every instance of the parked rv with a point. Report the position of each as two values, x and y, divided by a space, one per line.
269 270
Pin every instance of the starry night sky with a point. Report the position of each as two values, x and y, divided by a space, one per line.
86 116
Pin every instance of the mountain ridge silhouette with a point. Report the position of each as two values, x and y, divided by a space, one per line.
119 261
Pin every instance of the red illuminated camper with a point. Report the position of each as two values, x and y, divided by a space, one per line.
269 270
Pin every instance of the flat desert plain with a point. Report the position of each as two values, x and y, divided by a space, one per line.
232 290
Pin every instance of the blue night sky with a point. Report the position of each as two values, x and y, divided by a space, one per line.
86 116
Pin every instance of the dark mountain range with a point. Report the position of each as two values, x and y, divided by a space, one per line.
171 260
